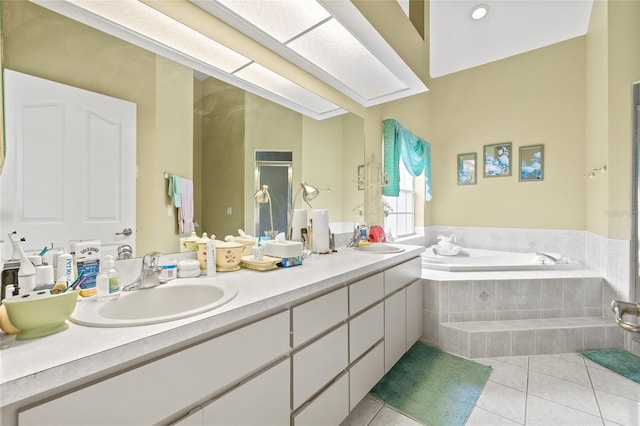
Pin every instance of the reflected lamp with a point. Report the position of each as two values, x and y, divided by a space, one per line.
262 197
308 193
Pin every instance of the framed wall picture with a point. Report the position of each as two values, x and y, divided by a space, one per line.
531 163
361 177
467 171
497 160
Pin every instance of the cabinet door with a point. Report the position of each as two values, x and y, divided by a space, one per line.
318 364
414 313
365 330
329 408
395 329
364 374
194 418
263 400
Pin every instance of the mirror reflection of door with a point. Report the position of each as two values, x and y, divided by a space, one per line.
70 172
274 169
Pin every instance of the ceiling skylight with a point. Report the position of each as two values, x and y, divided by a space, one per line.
331 40
282 19
150 29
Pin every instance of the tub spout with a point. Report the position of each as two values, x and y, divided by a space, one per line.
621 308
554 259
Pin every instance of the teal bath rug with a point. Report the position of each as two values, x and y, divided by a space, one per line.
617 360
432 386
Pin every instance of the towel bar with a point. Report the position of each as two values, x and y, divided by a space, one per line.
621 308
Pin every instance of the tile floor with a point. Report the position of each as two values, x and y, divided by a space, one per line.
545 390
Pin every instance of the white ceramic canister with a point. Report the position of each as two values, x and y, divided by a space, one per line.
201 246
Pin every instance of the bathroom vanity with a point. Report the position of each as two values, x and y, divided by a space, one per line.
296 346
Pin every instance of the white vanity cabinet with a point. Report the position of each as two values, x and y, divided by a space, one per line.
157 390
309 364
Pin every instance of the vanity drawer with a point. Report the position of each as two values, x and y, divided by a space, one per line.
331 407
364 374
365 330
263 400
365 292
402 275
318 364
314 317
172 383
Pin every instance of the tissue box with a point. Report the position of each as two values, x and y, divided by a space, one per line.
290 261
283 249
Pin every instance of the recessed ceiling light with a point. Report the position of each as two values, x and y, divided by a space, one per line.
479 12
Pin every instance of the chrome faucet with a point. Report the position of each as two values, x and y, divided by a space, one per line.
554 260
150 273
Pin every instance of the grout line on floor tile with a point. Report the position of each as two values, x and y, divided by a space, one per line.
593 389
526 394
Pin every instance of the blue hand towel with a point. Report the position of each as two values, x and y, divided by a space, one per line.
174 190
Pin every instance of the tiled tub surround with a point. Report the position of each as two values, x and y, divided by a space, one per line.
512 317
605 259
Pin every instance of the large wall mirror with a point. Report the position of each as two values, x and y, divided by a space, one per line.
187 124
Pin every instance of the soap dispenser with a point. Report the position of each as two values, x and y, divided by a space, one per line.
108 280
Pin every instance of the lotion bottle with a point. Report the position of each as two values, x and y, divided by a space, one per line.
108 280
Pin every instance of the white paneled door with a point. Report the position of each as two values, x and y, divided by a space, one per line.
70 171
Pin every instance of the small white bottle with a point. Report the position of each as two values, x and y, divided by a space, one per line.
108 280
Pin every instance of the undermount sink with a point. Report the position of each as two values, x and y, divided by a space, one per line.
379 248
180 298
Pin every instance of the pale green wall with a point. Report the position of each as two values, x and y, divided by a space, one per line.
613 65
268 127
352 157
322 161
220 157
79 56
573 96
533 98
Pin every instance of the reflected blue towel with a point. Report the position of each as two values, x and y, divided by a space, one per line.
174 190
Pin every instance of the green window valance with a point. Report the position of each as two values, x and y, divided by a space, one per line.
415 152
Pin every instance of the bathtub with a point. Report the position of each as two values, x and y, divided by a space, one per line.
470 260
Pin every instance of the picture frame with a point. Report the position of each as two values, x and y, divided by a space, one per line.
531 163
360 177
497 159
467 169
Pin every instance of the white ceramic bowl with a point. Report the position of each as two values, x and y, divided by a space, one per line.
40 313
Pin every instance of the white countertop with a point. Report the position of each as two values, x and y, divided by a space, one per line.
31 367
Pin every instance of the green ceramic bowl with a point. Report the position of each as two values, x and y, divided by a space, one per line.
40 313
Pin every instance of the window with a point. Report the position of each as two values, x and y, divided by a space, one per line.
401 209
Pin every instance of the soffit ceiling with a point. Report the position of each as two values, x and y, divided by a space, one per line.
511 27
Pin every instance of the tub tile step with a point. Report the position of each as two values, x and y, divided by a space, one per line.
479 339
532 324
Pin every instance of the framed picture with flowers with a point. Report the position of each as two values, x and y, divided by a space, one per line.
467 174
531 163
497 160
